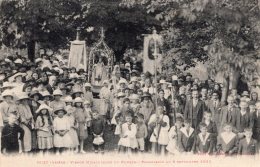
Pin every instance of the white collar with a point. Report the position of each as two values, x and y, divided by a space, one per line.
243 112
204 139
207 123
227 137
184 130
248 140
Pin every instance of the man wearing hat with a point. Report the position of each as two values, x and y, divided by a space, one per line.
8 106
122 84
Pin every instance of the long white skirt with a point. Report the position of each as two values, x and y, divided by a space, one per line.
163 137
128 142
172 147
62 141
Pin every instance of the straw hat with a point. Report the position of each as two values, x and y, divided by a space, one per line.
43 106
38 60
35 92
76 90
60 109
46 94
18 61
87 85
78 100
146 94
7 85
57 92
245 93
86 102
120 94
134 97
162 81
68 99
22 96
7 93
134 79
18 74
122 81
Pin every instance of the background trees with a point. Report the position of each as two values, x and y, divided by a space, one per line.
53 23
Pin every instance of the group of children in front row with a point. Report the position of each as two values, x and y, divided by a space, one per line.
181 138
64 129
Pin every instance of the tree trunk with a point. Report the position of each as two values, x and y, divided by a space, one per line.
225 90
234 79
31 50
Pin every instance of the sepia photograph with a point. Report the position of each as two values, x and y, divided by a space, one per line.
106 83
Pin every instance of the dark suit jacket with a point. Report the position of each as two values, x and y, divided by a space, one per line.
255 124
200 147
215 111
241 122
247 149
212 128
224 116
194 113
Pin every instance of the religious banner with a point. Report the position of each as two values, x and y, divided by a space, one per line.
78 56
152 42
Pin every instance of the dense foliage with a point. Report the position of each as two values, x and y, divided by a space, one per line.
53 23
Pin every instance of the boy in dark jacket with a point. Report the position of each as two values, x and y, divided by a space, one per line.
186 137
204 141
97 128
248 145
10 134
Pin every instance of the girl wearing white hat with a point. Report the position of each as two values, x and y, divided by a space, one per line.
73 124
61 125
81 117
26 120
57 102
43 126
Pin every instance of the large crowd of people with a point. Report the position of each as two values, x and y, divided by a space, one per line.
47 107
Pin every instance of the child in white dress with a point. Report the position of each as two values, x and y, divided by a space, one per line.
73 124
160 125
128 140
61 126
